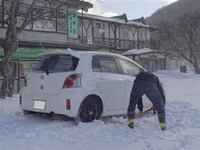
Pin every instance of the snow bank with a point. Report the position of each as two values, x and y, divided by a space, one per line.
183 87
176 74
9 106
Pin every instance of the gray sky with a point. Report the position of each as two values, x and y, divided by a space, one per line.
133 8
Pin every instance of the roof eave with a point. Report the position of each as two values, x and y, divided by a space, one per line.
85 5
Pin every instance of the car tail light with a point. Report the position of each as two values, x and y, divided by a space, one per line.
72 81
68 104
20 100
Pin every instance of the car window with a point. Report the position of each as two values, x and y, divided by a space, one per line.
95 65
128 67
104 64
57 63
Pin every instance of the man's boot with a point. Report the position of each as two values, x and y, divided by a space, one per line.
163 126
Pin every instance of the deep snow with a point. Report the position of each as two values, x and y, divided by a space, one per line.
18 132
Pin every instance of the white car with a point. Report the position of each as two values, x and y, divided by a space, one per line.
80 84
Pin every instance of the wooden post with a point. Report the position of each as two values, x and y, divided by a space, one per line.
138 39
82 23
120 46
3 21
32 22
92 30
109 35
18 76
57 20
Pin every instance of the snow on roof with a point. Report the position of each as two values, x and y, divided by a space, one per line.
116 20
137 51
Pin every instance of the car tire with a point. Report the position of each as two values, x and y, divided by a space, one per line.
90 110
27 113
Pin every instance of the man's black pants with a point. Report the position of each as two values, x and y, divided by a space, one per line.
152 92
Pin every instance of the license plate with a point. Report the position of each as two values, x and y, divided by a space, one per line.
39 104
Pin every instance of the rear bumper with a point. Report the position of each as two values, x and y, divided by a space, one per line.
55 103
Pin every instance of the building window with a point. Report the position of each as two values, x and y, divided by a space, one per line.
20 21
125 33
61 21
99 30
98 25
1 13
44 25
61 26
1 17
142 34
61 15
56 22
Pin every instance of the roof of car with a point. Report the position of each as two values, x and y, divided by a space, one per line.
78 54
95 53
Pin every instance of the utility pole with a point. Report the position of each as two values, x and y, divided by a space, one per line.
82 21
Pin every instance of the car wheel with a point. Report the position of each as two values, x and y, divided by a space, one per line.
26 112
90 110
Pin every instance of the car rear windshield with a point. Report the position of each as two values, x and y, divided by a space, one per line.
57 63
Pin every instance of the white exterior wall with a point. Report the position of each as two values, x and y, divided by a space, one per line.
125 32
106 25
174 63
111 32
133 36
142 34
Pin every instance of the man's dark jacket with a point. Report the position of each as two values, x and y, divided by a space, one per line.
150 77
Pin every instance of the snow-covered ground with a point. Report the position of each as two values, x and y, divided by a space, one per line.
18 132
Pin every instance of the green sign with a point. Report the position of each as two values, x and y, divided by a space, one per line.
26 53
72 23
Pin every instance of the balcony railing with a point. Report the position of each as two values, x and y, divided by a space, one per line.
114 43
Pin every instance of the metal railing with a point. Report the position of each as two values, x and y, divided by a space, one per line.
114 43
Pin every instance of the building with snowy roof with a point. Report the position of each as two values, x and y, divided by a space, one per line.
69 27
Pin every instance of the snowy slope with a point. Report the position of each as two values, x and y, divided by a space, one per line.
42 133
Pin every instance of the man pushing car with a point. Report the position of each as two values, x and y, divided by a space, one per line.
147 84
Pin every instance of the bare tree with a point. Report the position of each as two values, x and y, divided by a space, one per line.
35 10
181 38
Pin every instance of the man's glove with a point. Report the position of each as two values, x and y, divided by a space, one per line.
163 126
131 123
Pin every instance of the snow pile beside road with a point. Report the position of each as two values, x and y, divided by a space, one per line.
42 133
176 74
9 106
184 87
